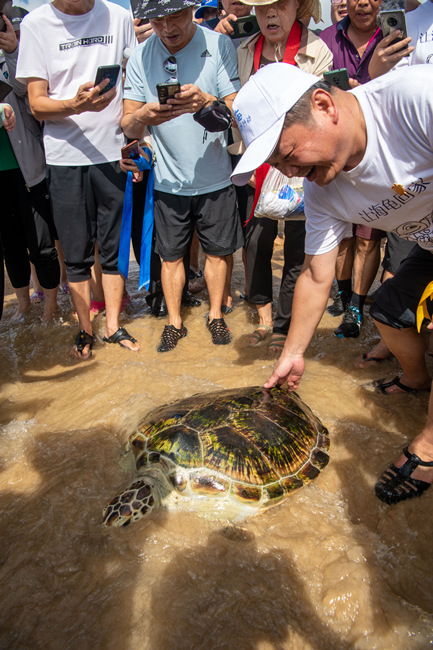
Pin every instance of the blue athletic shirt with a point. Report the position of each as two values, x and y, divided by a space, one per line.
185 164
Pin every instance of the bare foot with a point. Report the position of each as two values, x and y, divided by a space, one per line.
374 357
82 348
21 310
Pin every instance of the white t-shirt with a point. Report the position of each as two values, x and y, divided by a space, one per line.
66 51
398 111
187 163
419 25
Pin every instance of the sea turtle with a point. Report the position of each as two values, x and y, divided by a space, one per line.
227 454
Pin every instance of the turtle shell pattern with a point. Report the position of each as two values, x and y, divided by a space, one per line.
250 444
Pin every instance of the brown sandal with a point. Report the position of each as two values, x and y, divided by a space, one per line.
258 336
276 344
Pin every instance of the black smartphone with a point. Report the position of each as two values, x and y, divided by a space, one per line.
338 78
166 91
130 150
246 26
392 20
5 10
110 72
5 89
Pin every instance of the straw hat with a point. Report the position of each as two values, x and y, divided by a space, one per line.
306 8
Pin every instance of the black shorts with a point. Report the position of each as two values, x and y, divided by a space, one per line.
396 250
214 216
396 300
87 206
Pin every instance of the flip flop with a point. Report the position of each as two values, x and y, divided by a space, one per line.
120 335
381 386
365 357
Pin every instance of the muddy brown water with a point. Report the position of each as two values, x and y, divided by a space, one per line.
331 567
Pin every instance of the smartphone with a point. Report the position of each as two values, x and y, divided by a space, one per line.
166 91
5 89
338 78
110 72
246 26
5 10
392 20
130 150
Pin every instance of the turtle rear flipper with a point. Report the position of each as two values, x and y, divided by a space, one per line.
136 502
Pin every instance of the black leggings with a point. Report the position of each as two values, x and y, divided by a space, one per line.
27 231
259 246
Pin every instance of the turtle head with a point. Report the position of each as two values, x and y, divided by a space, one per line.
136 502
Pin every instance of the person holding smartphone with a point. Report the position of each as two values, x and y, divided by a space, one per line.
62 45
352 42
192 174
282 37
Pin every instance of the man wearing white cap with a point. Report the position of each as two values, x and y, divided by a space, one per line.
367 154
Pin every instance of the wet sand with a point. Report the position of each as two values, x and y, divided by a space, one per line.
331 567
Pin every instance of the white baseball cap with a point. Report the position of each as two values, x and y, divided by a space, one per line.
260 108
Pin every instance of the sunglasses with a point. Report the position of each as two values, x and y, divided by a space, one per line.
170 66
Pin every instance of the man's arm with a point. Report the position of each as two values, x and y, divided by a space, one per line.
86 99
309 302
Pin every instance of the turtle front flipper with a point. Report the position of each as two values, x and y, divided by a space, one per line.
136 502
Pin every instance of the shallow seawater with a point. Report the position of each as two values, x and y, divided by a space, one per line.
331 567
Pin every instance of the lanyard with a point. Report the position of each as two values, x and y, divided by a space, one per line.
292 46
146 236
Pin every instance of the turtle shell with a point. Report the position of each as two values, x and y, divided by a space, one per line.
251 444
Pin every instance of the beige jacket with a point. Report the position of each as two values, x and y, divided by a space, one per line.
313 56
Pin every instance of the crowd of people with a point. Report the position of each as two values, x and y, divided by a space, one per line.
365 154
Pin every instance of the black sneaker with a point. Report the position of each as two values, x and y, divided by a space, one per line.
220 332
351 324
170 337
340 303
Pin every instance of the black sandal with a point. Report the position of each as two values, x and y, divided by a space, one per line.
170 336
83 339
396 483
220 332
120 335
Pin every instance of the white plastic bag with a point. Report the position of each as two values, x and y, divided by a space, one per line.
280 197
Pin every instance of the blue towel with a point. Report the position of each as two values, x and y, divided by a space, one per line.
146 236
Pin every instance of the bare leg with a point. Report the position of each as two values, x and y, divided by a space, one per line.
215 272
38 292
409 348
96 281
113 286
60 255
365 264
50 305
23 299
173 281
80 292
344 263
227 294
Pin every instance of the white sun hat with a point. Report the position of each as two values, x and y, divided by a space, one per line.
260 108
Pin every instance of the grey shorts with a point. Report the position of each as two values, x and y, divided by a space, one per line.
396 300
214 215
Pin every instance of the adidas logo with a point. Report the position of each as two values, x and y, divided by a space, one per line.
205 53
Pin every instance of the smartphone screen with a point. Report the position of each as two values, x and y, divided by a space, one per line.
110 72
131 148
165 91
